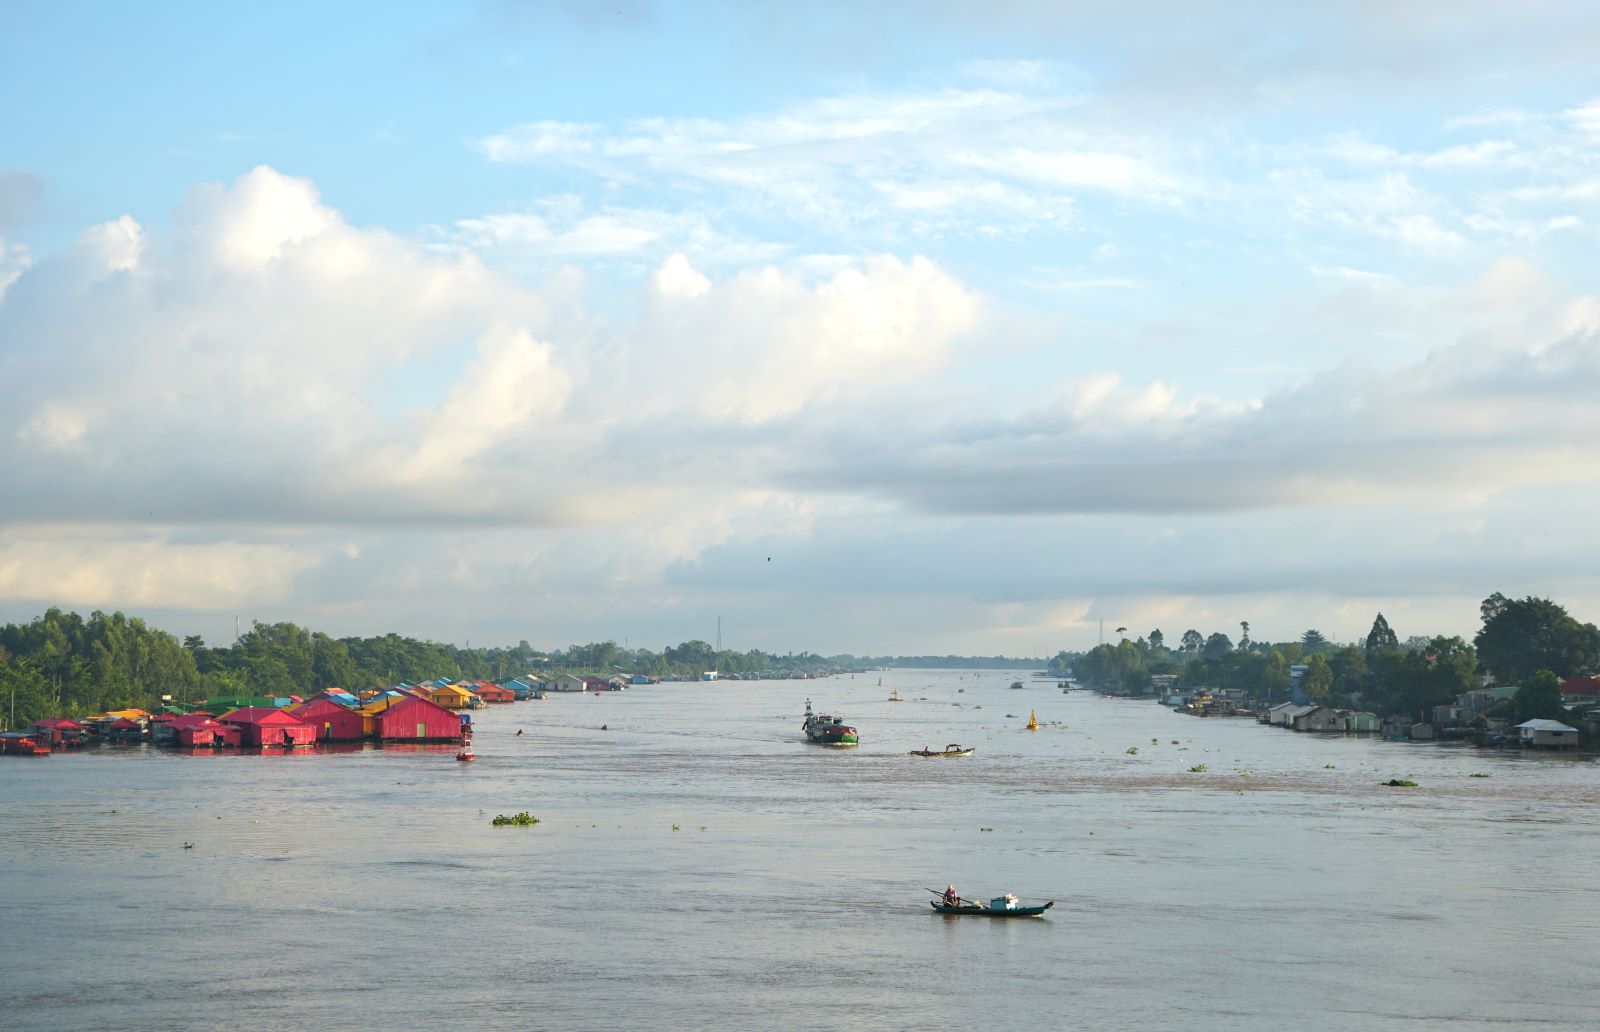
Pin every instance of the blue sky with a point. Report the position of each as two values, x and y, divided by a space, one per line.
937 327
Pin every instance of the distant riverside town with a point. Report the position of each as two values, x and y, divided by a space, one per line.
67 681
1526 679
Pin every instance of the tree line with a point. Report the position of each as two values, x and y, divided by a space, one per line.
63 664
1532 643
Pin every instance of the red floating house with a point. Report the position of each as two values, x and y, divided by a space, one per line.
418 720
59 731
333 722
263 726
198 731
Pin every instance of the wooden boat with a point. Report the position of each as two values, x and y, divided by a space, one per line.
1017 684
976 909
950 750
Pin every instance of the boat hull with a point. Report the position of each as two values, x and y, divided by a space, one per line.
982 911
842 738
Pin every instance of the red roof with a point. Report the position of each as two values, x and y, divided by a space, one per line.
123 723
194 720
260 715
1581 686
59 722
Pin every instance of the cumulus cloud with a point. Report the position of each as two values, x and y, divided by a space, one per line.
287 410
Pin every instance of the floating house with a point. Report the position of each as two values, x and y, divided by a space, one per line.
260 726
1547 734
123 729
1362 722
492 693
1276 715
453 697
1319 718
418 720
60 732
333 721
569 683
199 731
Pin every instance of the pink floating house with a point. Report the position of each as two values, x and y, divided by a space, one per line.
418 720
332 722
264 726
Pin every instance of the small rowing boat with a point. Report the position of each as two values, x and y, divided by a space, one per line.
950 750
979 910
1001 906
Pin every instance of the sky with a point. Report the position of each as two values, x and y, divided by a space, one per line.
920 329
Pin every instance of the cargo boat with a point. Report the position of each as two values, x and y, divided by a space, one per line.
827 730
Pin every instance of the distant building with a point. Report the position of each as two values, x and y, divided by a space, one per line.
1547 734
1319 718
1581 691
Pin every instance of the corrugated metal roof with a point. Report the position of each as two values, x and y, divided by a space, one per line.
1546 725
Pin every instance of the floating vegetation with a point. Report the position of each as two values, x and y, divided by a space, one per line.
1154 742
991 829
1327 766
521 820
1400 783
1477 775
1198 768
1174 741
1133 750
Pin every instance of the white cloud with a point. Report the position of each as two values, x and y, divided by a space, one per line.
14 260
851 159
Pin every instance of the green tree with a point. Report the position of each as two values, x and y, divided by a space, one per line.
1522 636
1156 639
1430 677
1217 646
1381 637
1192 642
1317 681
1539 698
1313 641
1349 666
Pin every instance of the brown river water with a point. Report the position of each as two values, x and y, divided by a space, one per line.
700 866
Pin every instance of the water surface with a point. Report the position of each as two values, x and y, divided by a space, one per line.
700 866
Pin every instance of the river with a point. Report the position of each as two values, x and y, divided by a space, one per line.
698 865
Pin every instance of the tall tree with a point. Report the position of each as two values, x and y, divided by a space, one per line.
1192 641
1523 636
1244 635
1217 646
1156 639
1313 641
1381 637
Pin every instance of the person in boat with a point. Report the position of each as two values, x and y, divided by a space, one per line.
951 899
